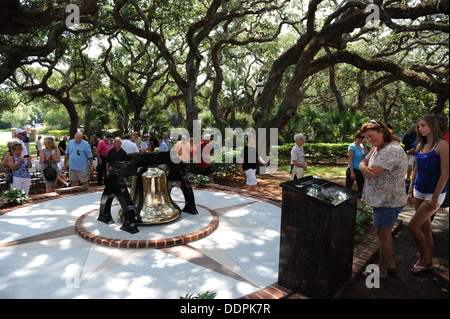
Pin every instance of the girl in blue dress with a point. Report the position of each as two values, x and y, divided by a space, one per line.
430 176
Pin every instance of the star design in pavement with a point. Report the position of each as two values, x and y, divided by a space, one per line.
218 253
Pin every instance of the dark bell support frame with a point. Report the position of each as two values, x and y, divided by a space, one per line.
133 166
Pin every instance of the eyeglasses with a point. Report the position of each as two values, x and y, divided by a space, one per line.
374 122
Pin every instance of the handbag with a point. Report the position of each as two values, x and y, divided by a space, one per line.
9 177
49 172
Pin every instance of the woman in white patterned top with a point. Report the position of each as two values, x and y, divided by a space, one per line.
384 169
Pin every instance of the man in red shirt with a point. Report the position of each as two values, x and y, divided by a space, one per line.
203 162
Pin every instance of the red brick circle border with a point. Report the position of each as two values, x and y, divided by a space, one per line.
149 243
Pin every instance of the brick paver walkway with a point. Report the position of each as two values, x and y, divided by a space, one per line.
404 285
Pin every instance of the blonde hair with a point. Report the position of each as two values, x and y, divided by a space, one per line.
16 146
50 142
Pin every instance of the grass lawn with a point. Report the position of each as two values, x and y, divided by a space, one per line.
323 171
4 148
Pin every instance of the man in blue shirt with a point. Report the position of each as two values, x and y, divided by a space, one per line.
162 145
81 160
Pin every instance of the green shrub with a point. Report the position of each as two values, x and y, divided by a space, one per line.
364 215
14 197
202 180
219 170
316 151
205 295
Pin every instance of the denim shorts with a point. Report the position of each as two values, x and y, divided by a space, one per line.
385 217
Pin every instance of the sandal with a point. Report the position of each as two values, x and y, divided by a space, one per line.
420 270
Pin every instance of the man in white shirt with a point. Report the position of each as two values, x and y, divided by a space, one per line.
298 165
128 146
38 144
21 134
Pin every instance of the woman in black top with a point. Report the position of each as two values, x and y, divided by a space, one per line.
247 162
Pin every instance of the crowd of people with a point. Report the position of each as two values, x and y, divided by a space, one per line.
76 156
381 173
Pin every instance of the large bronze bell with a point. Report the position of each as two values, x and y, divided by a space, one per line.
151 199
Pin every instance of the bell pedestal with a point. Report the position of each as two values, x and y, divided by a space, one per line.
151 199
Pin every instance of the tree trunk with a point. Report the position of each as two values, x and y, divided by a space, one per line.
192 109
70 107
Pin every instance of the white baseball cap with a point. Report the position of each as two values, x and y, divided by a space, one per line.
20 130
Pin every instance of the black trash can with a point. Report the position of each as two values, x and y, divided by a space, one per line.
317 236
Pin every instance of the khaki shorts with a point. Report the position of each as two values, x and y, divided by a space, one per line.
297 172
411 159
82 175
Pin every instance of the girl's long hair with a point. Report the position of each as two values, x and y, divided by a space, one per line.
433 123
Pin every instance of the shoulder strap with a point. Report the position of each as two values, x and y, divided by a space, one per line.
437 145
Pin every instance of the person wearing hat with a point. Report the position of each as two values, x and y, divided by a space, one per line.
21 134
103 148
145 144
38 144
